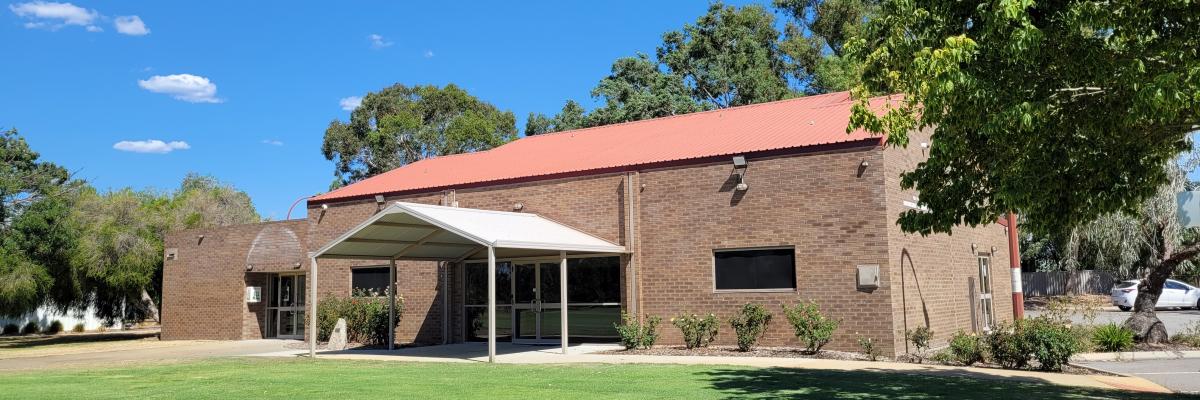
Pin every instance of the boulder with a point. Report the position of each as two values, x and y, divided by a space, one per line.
337 338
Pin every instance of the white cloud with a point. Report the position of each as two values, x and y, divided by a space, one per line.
131 25
52 15
272 142
150 146
186 87
378 41
350 103
428 53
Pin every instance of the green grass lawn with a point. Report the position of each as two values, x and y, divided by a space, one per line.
333 379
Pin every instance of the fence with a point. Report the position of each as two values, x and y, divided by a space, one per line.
1058 283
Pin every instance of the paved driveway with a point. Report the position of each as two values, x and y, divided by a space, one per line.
1174 320
1180 375
138 352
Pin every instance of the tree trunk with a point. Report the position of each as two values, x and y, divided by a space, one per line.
148 303
1144 323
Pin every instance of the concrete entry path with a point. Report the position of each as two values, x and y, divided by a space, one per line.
1181 375
591 354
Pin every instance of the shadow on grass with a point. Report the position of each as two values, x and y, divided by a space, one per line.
789 383
24 342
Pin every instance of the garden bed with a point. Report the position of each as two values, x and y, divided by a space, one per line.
732 351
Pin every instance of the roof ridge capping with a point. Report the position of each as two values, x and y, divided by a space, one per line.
405 204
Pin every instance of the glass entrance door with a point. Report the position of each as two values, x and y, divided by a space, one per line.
985 293
285 306
537 308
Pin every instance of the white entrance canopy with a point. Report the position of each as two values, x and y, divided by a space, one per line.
410 231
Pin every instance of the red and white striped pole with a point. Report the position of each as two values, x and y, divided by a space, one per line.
1014 262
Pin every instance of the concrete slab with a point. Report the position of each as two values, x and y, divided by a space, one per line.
1179 375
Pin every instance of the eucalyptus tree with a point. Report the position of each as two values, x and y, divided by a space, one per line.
403 124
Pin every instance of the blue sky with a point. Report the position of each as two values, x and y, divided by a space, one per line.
244 90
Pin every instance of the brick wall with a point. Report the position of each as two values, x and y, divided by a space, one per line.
204 286
933 274
821 204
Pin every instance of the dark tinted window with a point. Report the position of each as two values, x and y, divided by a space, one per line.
755 269
369 281
477 283
1175 285
593 280
1123 285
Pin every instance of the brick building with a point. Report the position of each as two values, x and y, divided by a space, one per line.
772 203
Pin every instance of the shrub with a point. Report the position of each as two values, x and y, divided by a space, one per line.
634 334
697 331
1112 337
812 327
919 338
1051 343
55 328
1007 347
868 347
944 357
78 328
11 329
30 328
750 325
965 349
366 318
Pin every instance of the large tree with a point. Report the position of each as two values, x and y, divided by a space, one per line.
729 57
1062 111
31 200
638 89
402 124
572 116
814 41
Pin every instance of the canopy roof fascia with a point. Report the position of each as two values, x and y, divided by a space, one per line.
460 233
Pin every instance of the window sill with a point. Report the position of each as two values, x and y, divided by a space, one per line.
725 291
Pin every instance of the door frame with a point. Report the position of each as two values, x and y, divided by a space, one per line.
275 313
987 307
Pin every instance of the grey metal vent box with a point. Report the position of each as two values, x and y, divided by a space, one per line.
868 276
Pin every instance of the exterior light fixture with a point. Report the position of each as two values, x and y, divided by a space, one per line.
518 207
864 164
739 170
379 198
249 267
324 207
296 265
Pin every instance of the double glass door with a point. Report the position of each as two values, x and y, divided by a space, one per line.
285 307
537 309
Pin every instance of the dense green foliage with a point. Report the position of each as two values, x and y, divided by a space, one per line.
366 318
750 324
729 56
966 349
404 124
1045 340
1112 337
11 329
635 334
697 331
1062 111
30 328
812 327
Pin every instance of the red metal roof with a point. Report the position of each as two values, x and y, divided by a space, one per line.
786 124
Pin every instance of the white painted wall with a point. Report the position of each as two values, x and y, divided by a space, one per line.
46 315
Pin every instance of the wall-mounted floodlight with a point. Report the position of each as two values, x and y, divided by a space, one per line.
739 161
518 207
739 169
379 198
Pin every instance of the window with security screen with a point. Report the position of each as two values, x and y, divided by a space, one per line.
755 269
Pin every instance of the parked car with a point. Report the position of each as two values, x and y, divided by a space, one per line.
1174 294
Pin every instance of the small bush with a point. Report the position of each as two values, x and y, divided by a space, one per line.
11 329
697 331
966 349
750 325
78 328
366 318
1050 342
635 334
1189 336
1112 337
811 327
1043 339
869 348
30 328
944 357
1007 346
55 328
919 338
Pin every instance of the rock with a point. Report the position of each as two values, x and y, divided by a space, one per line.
337 338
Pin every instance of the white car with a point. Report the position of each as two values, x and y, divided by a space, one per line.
1174 294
